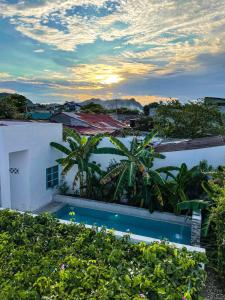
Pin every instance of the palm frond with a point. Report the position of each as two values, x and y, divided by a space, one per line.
73 134
131 174
121 182
156 178
194 205
60 147
112 173
119 145
108 150
148 138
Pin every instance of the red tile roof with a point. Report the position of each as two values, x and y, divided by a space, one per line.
89 130
96 123
100 121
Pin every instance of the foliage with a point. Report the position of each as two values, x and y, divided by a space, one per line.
12 105
78 153
217 216
144 124
7 109
148 107
93 108
183 185
63 188
193 205
124 111
43 259
134 175
215 221
190 120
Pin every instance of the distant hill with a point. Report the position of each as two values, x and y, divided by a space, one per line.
3 95
130 104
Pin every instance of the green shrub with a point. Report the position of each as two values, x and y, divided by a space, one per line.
217 223
43 259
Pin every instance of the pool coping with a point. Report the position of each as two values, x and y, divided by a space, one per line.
123 209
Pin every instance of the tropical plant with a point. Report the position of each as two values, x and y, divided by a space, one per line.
184 184
134 173
77 151
193 205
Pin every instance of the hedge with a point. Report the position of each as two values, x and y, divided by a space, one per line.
217 218
41 258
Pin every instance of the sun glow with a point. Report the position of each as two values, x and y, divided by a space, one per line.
109 79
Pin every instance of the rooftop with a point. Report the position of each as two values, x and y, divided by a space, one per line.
20 122
199 143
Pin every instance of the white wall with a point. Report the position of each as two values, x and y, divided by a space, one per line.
34 138
18 161
215 156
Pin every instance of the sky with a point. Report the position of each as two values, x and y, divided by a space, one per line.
73 50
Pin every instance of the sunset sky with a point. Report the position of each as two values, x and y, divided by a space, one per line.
52 51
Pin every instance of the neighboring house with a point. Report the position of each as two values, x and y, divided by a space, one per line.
86 123
28 169
72 106
39 115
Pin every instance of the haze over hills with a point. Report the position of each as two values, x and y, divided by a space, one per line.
131 104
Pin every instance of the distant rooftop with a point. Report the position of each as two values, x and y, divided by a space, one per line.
198 143
20 122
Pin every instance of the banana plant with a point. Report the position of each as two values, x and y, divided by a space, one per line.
77 151
134 172
180 185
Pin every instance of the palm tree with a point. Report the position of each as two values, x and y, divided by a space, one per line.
134 172
78 153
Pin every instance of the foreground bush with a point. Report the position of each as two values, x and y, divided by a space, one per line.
43 259
215 242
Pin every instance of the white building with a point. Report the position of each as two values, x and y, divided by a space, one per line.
28 168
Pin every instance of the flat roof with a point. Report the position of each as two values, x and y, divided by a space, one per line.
22 122
199 143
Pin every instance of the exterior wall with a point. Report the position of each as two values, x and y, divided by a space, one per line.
19 178
34 138
214 155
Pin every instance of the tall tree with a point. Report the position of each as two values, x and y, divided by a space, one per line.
190 120
7 109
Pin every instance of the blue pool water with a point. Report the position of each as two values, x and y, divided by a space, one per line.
151 228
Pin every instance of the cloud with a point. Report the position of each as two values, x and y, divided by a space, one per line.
148 38
39 50
10 91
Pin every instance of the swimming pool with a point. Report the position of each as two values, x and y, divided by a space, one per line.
173 232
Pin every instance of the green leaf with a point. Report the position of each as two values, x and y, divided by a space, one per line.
194 205
60 147
108 150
